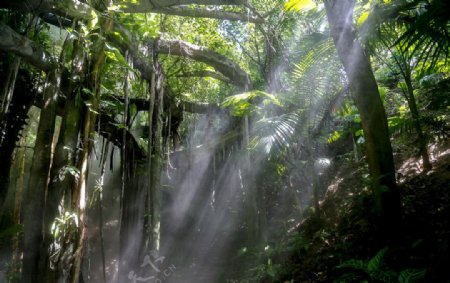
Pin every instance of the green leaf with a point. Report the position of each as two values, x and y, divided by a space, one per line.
359 133
411 275
382 91
56 233
242 104
87 91
336 135
299 5
376 262
384 276
354 264
362 18
121 126
133 109
120 57
94 20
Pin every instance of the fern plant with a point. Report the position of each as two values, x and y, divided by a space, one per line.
375 269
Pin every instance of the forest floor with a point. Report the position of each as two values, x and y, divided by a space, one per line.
341 244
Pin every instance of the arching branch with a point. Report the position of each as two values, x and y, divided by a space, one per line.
230 69
77 9
199 13
147 6
11 41
65 8
219 62
204 74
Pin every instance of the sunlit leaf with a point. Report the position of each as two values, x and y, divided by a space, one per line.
336 135
299 5
362 18
94 19
244 103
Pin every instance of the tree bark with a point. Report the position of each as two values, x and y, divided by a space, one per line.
136 7
416 117
204 74
156 160
11 124
149 197
203 13
61 182
230 69
365 94
148 6
219 62
8 88
39 58
91 114
10 41
34 199
77 9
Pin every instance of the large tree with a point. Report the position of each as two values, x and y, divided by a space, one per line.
364 90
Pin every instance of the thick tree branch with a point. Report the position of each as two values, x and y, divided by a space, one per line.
124 40
219 62
65 8
148 6
76 9
11 41
231 70
201 13
204 74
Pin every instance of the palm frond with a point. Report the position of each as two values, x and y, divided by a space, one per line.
424 27
320 52
275 132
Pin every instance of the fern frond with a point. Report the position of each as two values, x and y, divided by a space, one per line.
313 57
275 132
376 262
411 275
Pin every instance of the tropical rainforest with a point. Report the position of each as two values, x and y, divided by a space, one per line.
224 141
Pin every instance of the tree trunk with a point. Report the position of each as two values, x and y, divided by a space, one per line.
140 222
34 198
249 182
416 118
62 182
79 196
149 197
10 131
20 181
365 94
132 217
134 185
8 88
156 160
7 139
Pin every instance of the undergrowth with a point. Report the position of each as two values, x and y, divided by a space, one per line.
341 244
